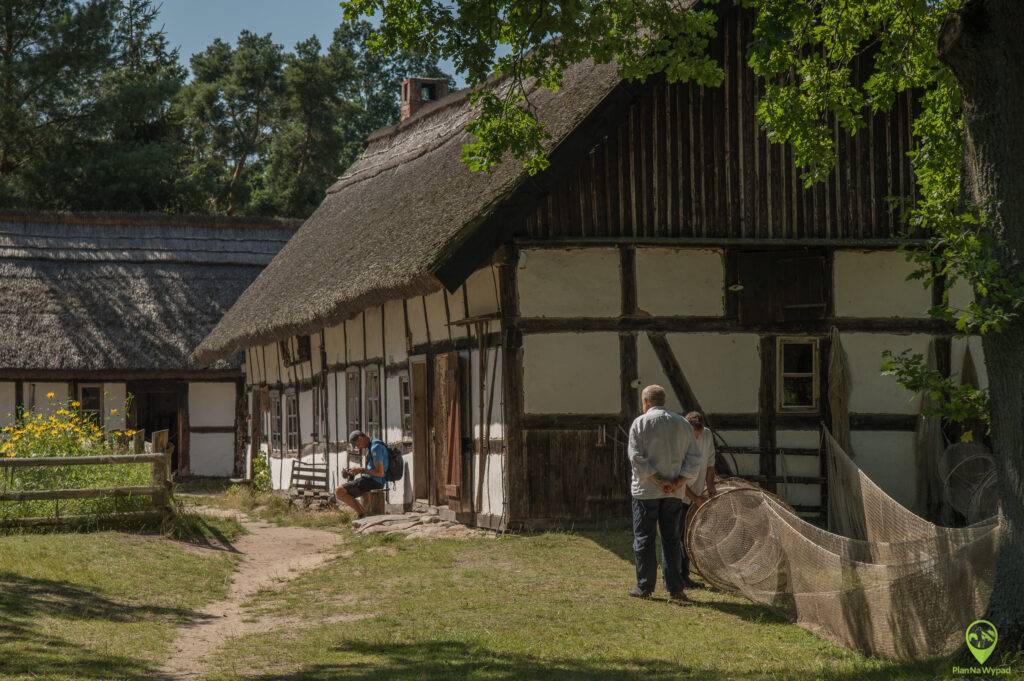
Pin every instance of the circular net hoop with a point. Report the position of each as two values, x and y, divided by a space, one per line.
905 589
968 476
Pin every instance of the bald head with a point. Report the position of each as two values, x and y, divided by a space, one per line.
653 396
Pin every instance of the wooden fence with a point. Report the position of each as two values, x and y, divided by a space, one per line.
159 488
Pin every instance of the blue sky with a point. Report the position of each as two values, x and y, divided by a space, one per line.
193 24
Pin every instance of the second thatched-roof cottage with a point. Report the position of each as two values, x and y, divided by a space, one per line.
500 326
105 309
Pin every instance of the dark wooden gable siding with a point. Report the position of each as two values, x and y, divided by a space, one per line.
692 162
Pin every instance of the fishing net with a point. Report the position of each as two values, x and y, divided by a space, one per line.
969 480
895 585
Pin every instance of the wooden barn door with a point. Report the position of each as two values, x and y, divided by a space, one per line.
446 428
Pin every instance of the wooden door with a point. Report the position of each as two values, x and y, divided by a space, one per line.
446 440
420 444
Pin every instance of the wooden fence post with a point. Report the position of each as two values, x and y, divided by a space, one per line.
162 476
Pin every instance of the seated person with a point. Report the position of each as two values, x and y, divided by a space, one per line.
371 476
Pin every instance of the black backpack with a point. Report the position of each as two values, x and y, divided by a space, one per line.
396 467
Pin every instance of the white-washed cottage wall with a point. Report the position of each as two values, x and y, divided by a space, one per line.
573 376
367 383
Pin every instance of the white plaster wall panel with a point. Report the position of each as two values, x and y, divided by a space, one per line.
354 338
874 284
437 318
493 374
7 403
748 464
306 423
35 396
680 281
115 396
493 494
334 339
211 404
724 370
870 391
269 362
571 373
457 311
959 348
394 332
374 332
801 495
332 413
888 459
738 438
960 295
798 465
569 283
417 320
315 363
798 439
212 454
393 411
482 292
650 372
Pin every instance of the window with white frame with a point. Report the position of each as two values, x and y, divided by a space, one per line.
291 420
405 396
373 402
798 375
353 417
276 422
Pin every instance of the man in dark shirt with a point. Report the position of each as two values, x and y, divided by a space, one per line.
371 476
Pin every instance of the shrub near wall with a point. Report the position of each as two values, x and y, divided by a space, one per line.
63 430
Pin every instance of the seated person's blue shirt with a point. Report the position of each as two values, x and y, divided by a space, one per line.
378 452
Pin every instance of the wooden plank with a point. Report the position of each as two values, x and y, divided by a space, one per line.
113 460
96 493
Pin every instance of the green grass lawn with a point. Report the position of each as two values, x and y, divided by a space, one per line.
100 605
550 607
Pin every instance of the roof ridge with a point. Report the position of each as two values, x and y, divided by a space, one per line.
129 219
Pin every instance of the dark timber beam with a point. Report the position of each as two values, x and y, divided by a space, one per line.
676 378
681 324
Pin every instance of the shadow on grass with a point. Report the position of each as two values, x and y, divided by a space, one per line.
445 660
205 531
29 649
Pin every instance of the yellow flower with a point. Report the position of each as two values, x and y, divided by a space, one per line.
50 395
74 404
113 412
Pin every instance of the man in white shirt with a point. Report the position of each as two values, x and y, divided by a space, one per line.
663 456
702 487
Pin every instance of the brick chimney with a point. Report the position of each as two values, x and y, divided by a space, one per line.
418 91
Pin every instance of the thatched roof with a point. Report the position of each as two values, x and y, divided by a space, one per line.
122 292
388 224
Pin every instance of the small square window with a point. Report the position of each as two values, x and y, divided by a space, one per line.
798 375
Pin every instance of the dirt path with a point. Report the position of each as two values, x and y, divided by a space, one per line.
270 557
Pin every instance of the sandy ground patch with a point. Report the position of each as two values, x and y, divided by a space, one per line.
270 556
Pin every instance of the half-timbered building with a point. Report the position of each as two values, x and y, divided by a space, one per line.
105 309
500 325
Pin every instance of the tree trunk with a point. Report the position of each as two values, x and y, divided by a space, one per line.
982 45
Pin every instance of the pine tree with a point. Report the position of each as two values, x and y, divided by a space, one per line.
53 54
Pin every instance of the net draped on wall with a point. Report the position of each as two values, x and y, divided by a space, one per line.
889 584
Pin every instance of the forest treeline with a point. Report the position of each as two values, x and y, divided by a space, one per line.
98 114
